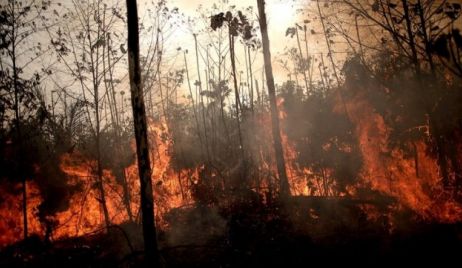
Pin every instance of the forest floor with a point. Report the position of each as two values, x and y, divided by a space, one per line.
255 236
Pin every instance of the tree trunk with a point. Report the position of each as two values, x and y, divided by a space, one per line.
308 61
18 129
426 40
305 78
193 104
236 92
142 150
99 178
283 181
206 144
250 81
99 166
258 93
412 45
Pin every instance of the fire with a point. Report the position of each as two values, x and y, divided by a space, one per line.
85 214
385 170
417 187
85 211
11 225
301 177
168 185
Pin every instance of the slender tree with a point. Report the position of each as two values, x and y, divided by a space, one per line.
81 48
283 181
141 136
18 93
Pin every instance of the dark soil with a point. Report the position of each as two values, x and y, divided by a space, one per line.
257 236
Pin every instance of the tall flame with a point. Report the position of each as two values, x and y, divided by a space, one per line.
11 223
386 170
417 187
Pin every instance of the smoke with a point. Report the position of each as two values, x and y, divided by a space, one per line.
196 225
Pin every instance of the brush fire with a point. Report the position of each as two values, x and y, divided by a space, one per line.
312 155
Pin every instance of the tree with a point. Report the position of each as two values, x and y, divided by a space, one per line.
424 37
142 147
278 150
84 46
236 25
18 86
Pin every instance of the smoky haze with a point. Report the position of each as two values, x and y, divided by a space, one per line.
366 108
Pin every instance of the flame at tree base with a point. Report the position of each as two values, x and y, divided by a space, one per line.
385 170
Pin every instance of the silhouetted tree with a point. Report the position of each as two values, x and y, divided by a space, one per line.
276 131
18 92
141 132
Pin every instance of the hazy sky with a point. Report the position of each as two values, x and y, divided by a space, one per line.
281 15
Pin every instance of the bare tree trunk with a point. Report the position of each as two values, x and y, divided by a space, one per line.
141 136
411 36
221 62
308 61
100 166
251 81
236 91
21 150
206 144
305 78
324 73
283 181
330 55
164 111
94 63
321 69
18 124
361 51
427 42
258 93
193 104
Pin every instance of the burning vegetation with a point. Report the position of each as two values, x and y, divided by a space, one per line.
355 156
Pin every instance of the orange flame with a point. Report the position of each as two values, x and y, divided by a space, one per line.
390 172
11 225
386 170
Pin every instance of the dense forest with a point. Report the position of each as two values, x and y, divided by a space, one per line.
144 134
